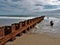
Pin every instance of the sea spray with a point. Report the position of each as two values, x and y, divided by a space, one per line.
44 27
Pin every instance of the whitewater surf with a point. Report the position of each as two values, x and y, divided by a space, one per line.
44 27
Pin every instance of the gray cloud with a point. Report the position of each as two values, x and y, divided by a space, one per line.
14 0
27 6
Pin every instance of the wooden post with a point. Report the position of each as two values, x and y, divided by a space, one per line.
23 24
20 25
16 26
1 33
26 23
7 30
30 20
13 28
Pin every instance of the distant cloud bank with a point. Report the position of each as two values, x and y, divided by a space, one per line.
27 7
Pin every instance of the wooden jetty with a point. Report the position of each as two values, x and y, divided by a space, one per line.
8 33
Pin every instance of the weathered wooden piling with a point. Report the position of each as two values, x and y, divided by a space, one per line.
10 32
7 30
1 33
20 24
16 26
13 28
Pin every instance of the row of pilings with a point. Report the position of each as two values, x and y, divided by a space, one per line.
10 32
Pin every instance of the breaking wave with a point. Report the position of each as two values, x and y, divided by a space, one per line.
44 27
4 20
4 17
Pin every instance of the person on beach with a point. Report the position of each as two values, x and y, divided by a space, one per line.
51 23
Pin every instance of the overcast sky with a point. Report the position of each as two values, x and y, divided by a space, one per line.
27 7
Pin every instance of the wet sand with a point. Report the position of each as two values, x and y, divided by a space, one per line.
35 39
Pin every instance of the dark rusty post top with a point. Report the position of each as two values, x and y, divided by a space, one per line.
0 28
23 23
20 24
27 22
42 16
1 33
16 25
7 30
30 20
6 27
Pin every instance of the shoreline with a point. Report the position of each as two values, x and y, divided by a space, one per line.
35 39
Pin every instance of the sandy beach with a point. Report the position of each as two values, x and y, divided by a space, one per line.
38 36
35 39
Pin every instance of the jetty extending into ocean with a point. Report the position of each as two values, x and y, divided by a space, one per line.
9 33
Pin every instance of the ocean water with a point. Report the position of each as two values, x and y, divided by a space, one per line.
43 27
4 22
10 20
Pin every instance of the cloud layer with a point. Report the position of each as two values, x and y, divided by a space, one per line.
27 7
